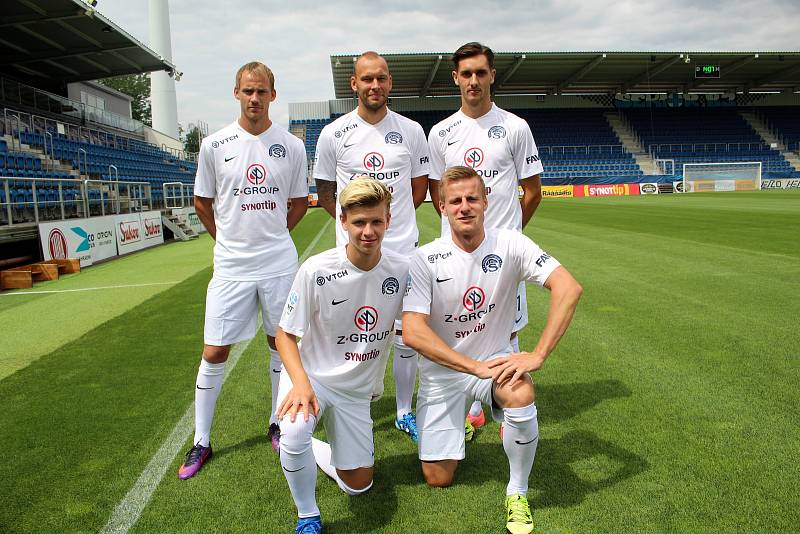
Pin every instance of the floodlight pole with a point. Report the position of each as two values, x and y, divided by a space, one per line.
162 87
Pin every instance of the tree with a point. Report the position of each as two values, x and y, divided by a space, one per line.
137 86
191 141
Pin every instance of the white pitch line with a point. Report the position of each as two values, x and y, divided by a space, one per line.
88 289
128 511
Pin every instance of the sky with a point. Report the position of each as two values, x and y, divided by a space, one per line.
212 39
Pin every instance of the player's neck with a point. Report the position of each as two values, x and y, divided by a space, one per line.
372 116
255 127
469 242
361 260
476 111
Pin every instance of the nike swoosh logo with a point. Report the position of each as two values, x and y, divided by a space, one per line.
337 302
440 280
198 387
276 370
230 158
453 142
293 470
409 356
348 146
518 442
518 319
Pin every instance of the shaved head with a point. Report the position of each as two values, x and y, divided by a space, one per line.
369 56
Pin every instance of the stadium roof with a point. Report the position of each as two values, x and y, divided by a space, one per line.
50 42
428 74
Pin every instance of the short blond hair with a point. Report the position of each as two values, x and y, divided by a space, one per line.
258 68
454 174
364 191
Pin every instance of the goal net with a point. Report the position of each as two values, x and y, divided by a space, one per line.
731 176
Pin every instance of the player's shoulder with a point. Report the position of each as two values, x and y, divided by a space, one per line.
324 261
438 249
508 118
395 259
446 125
339 125
404 122
227 134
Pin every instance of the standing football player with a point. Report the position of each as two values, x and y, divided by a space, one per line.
343 304
500 147
458 315
372 140
247 174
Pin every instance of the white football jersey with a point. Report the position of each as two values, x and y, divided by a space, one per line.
469 297
393 151
251 178
346 318
501 149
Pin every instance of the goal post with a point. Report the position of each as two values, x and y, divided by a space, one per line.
728 176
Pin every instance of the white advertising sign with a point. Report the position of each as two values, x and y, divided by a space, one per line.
129 233
151 227
89 240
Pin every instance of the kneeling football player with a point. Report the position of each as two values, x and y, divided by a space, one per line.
342 304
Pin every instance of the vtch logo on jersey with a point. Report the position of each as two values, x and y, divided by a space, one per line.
492 263
393 138
277 151
366 318
256 174
446 131
390 286
497 132
217 144
432 258
473 157
373 162
344 130
321 279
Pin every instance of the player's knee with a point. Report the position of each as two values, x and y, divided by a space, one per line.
516 396
355 481
296 436
355 490
436 475
271 343
216 353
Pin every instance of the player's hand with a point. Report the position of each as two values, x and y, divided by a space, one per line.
299 399
482 369
508 369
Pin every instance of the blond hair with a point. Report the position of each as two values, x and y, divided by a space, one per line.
457 173
364 191
258 68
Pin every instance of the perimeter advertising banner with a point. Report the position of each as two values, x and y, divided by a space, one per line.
151 226
554 191
136 231
606 190
89 240
781 183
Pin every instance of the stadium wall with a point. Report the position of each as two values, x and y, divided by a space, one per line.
114 101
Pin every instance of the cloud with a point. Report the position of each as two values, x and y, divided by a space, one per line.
210 40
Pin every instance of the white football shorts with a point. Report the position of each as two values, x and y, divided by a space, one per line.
347 423
232 308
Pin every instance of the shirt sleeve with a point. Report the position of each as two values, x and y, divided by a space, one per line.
535 264
420 154
325 156
299 306
526 154
299 171
205 180
437 156
418 290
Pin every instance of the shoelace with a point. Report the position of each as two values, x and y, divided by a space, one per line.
193 456
411 424
517 511
307 527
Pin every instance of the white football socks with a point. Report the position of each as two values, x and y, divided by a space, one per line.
404 366
297 461
275 366
476 409
520 438
209 382
322 454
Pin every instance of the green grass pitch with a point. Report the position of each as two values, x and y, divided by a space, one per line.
671 405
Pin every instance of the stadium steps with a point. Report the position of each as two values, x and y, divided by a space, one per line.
180 229
39 153
763 131
628 138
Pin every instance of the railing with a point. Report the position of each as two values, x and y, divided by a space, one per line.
706 147
178 195
583 149
33 200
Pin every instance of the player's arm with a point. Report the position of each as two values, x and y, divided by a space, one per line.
565 292
433 187
418 335
297 208
301 397
531 197
326 195
205 212
419 189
